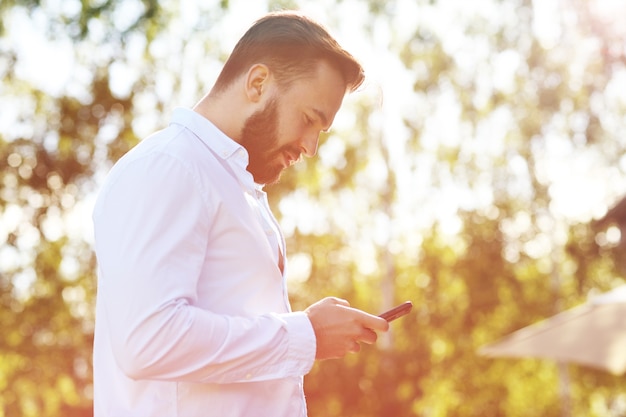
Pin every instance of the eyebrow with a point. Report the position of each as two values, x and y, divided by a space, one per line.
323 118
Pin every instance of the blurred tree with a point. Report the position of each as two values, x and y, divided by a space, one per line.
501 113
50 155
450 194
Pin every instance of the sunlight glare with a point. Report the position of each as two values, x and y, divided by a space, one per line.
47 64
577 194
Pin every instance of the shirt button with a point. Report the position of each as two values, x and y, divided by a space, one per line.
249 376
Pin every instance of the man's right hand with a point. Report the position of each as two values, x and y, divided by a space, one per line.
340 328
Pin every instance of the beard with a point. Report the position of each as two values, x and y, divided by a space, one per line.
259 137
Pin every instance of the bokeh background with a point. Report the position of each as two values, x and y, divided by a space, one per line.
472 174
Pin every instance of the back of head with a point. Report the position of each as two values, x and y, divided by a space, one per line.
290 44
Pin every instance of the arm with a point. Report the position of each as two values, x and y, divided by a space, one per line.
152 225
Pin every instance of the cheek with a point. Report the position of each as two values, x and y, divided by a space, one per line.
290 131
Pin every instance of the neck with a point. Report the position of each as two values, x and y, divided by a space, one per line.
224 113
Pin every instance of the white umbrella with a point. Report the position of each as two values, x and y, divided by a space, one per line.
592 334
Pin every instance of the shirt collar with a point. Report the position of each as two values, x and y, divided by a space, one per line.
222 145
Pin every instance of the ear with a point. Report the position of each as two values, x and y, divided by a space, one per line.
257 80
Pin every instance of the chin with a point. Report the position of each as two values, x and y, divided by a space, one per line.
269 176
275 179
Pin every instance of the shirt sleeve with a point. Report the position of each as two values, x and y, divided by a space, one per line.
151 227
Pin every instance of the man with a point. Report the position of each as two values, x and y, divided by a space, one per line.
193 317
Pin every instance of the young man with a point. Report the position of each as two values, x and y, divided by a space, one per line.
193 317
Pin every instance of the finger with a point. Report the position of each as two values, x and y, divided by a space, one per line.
355 348
373 322
368 336
339 301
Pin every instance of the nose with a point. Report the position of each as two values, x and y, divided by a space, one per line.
309 145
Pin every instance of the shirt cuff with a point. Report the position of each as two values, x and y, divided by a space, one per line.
302 342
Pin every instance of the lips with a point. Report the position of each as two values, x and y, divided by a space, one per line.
290 158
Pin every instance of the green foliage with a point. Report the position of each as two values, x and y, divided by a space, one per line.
48 288
459 215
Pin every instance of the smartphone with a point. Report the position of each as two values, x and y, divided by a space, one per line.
397 311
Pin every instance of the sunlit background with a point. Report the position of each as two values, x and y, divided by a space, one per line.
469 174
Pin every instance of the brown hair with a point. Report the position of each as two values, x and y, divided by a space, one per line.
290 44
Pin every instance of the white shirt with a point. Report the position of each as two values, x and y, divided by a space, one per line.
192 316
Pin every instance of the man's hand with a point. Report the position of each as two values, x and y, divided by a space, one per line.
339 328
